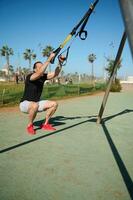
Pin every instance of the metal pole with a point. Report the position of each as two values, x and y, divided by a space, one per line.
117 59
127 12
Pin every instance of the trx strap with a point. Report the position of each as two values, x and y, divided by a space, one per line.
81 33
66 57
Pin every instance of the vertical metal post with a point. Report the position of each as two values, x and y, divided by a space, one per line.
127 12
3 93
117 59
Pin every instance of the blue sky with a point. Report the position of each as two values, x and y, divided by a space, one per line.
36 23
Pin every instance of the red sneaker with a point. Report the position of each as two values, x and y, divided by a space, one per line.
48 127
30 130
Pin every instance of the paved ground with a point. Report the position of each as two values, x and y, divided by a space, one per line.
79 161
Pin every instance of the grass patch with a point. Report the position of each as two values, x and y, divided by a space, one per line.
11 93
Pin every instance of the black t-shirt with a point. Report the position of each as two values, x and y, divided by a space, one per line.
33 89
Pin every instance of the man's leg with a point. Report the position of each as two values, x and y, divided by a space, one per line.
32 111
50 107
31 108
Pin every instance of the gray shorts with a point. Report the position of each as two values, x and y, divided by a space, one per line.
24 105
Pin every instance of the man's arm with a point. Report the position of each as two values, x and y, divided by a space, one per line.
39 73
57 70
55 73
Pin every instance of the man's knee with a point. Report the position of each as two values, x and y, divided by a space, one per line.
51 104
34 106
55 104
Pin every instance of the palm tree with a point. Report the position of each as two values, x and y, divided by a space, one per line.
25 70
11 69
46 53
91 59
29 55
2 74
6 51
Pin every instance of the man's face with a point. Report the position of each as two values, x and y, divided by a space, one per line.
38 67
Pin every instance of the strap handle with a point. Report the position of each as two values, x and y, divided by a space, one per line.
66 57
83 34
56 53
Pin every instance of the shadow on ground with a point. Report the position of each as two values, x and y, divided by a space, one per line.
61 120
122 168
55 122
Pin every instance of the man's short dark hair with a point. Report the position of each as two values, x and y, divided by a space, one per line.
34 66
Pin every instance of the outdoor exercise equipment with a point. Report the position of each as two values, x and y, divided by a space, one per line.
127 12
82 33
114 70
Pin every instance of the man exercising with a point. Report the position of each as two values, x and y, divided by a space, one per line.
30 102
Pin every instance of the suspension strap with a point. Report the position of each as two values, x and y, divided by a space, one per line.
82 33
66 57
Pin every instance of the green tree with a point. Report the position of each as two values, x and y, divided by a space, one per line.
46 53
91 59
7 52
29 55
62 73
116 86
110 65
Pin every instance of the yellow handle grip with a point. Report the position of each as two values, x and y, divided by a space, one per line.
65 41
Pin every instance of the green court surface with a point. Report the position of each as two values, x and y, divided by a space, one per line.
81 160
